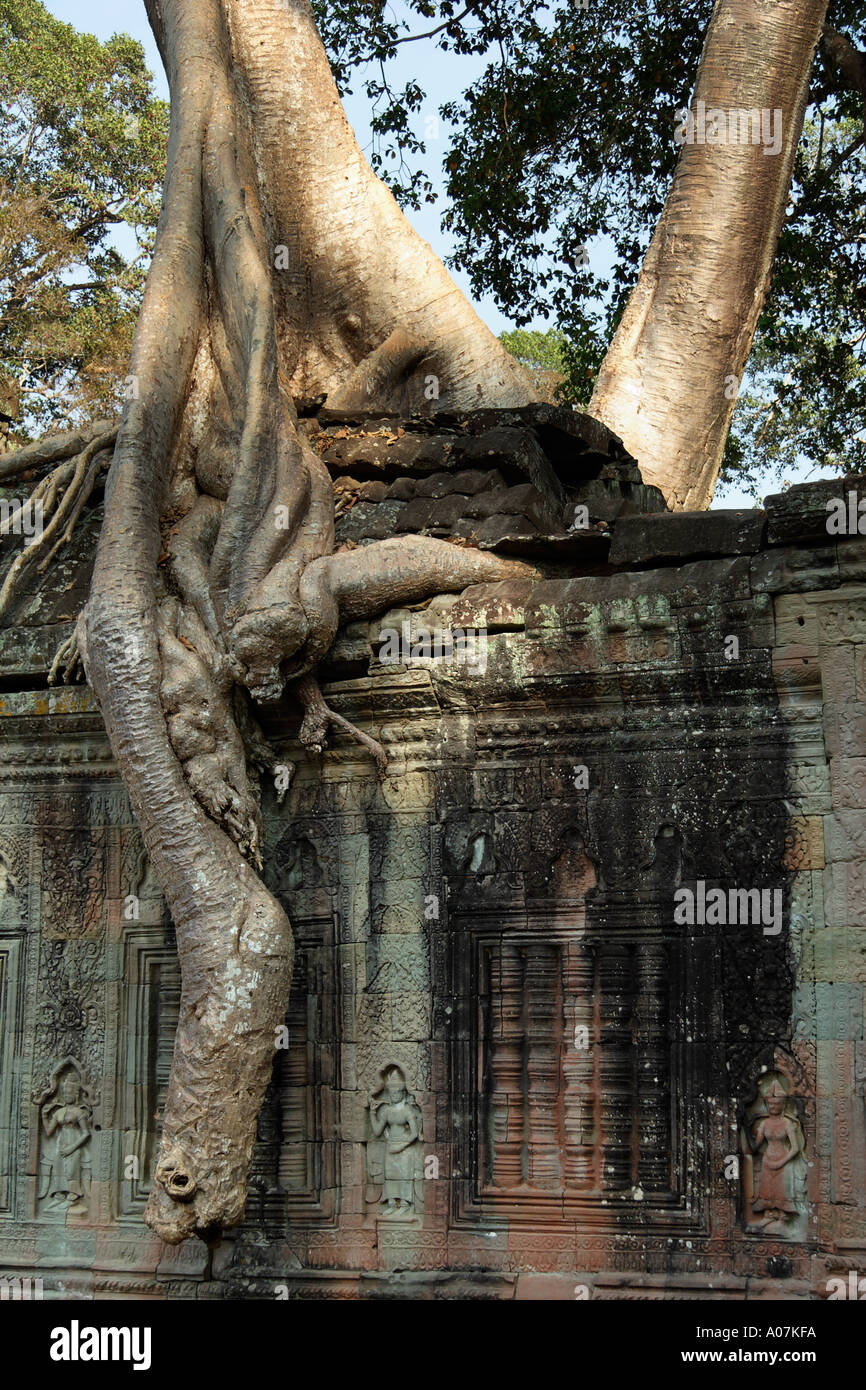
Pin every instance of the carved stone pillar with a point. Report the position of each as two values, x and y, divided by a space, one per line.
617 1067
293 1081
543 1063
507 1119
578 1065
653 1086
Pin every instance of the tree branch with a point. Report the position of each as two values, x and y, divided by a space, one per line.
851 64
52 448
848 59
429 33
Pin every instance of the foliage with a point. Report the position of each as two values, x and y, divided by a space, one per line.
82 155
560 158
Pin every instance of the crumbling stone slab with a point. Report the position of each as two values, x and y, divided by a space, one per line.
800 513
794 569
640 540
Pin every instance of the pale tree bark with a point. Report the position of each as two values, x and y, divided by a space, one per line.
669 380
357 271
282 268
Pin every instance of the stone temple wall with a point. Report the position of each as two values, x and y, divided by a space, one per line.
516 1065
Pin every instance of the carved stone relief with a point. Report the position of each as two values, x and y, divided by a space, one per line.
774 1165
64 1137
395 1160
73 879
13 899
70 1006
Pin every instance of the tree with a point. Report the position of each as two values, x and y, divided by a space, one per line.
568 135
281 268
804 392
82 153
669 379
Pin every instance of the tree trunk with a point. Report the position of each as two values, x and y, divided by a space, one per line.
669 381
281 267
356 269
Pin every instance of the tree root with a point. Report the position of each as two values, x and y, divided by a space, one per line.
68 663
253 596
365 582
197 698
64 492
318 716
374 380
53 448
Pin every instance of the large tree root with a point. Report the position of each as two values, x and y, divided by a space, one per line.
364 582
234 941
210 474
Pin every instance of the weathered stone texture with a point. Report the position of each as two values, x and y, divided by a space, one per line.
491 964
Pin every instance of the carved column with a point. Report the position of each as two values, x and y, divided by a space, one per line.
617 1067
544 1040
653 1076
293 1081
578 1065
507 1107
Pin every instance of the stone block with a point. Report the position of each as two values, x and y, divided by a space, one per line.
845 834
551 1288
796 622
848 782
494 607
807 900
518 450
842 615
834 1068
793 569
809 786
497 528
445 512
838 674
640 540
417 515
851 555
838 1010
800 514
371 521
379 450
845 728
805 843
402 489
838 954
469 482
845 895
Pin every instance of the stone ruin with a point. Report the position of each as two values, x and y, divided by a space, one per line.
578 1003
